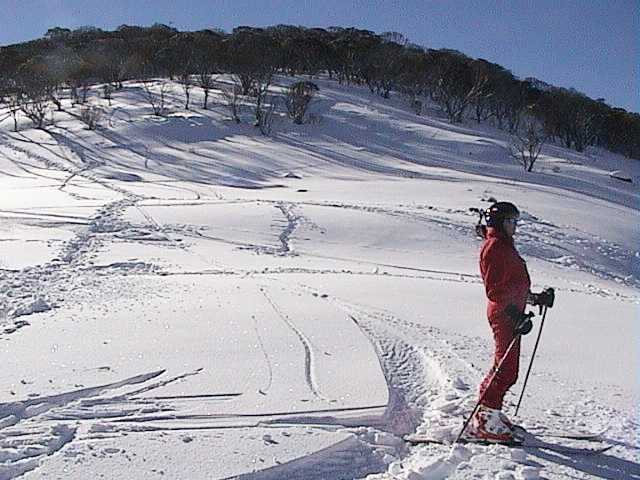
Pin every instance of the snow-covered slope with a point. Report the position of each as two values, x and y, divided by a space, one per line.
183 297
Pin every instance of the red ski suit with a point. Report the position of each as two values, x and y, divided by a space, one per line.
506 281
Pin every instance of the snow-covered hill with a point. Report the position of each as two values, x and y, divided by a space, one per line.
184 298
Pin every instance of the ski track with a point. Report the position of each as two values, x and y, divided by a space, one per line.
264 390
386 272
39 427
410 357
41 287
129 404
195 193
536 244
306 344
24 443
540 239
292 223
22 410
23 452
293 220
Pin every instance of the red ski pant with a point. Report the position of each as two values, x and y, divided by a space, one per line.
495 390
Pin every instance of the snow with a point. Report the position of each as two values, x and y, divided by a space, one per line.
184 298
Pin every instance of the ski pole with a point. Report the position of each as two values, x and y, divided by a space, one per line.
533 355
493 377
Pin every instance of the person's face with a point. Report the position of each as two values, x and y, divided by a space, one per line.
509 225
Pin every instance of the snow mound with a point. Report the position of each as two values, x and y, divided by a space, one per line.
426 468
23 453
528 473
37 305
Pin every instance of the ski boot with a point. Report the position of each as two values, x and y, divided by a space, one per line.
517 431
488 426
507 421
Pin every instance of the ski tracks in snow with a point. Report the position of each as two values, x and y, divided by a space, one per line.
541 239
264 390
309 360
428 382
421 361
38 289
34 429
22 452
286 227
27 437
292 222
449 218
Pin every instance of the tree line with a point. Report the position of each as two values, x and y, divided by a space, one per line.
34 72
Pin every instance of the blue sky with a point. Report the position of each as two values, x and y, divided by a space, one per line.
591 45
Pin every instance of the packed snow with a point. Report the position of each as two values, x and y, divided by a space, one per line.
184 298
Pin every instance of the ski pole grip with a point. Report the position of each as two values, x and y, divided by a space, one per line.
550 294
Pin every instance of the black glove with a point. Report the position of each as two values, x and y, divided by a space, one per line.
544 298
521 321
523 327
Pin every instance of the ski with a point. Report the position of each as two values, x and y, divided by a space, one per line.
423 439
559 448
525 443
563 434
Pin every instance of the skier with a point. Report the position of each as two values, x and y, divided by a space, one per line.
507 286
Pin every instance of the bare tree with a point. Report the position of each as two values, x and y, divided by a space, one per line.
246 82
381 66
252 55
112 58
32 93
416 105
79 75
13 102
267 110
107 91
299 96
206 82
454 84
526 143
186 83
207 58
456 99
413 78
38 84
35 105
231 95
14 108
263 82
91 116
155 94
84 91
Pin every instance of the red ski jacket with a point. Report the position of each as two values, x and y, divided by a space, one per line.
504 273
